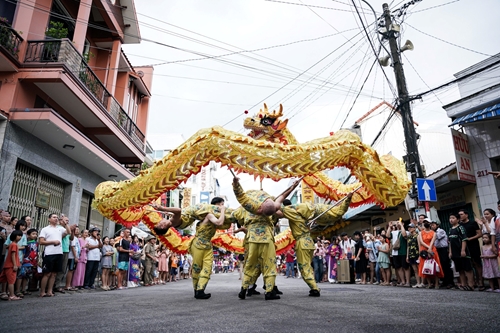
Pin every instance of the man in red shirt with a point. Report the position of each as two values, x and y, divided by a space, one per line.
290 260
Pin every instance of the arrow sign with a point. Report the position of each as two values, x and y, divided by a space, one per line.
426 189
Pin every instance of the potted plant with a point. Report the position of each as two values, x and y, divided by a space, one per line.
56 30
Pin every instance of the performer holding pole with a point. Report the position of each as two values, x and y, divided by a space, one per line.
297 216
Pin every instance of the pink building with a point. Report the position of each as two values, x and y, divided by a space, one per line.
73 110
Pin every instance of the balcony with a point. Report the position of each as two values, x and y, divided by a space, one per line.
10 41
54 53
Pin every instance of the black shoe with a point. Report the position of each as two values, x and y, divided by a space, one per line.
195 293
314 293
253 291
278 292
242 293
200 294
272 295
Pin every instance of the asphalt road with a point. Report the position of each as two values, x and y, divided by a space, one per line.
172 308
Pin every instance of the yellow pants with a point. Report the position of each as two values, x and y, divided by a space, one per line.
202 266
261 257
304 257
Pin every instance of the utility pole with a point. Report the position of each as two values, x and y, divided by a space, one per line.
412 159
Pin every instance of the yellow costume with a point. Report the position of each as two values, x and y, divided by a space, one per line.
298 216
201 250
260 253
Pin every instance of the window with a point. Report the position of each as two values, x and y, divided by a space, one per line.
59 14
8 10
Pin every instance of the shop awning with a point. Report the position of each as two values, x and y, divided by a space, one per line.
489 112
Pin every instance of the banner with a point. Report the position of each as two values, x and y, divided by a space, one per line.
307 193
462 155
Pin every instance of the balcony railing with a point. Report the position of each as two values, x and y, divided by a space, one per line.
10 40
63 51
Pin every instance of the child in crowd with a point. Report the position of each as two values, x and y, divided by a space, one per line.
490 263
12 265
30 260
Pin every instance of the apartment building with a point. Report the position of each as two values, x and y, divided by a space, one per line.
73 110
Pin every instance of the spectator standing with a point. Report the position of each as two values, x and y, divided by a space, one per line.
21 225
333 252
173 267
384 261
29 264
12 265
149 266
60 278
106 262
134 275
372 252
51 237
73 257
318 255
426 239
94 246
442 248
348 247
412 256
459 253
186 266
398 237
79 274
490 263
163 264
5 230
290 258
473 234
360 256
124 252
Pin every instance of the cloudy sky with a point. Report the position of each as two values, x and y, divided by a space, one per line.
215 59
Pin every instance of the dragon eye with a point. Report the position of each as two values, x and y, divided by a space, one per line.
267 121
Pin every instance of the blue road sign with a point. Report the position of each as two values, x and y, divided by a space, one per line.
426 189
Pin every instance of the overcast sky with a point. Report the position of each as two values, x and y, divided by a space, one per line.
310 55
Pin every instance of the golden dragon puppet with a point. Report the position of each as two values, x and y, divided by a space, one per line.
384 180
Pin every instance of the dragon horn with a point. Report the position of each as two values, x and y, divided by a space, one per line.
265 107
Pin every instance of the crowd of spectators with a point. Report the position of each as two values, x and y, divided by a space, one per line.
420 255
62 259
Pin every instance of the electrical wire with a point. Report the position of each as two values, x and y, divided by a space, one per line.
450 43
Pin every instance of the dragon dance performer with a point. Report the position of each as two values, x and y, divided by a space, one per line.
261 253
298 215
201 248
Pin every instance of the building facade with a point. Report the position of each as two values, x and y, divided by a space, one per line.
476 115
73 110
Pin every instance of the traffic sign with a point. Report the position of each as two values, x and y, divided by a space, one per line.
426 189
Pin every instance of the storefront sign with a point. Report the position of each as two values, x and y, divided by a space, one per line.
463 156
42 199
307 193
186 199
450 199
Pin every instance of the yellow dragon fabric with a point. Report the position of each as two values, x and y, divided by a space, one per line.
383 178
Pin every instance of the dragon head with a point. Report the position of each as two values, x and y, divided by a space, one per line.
266 125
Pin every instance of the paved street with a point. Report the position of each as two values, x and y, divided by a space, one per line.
172 307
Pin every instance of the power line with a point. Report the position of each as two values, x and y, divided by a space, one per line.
450 43
352 106
441 5
311 6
